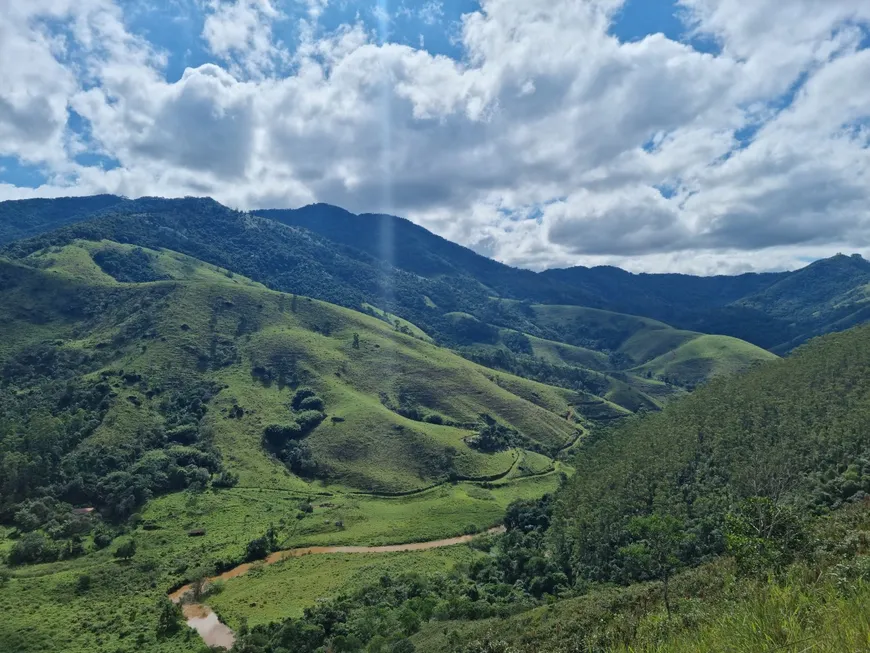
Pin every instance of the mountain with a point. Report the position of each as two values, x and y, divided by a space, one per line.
182 324
776 311
444 282
25 218
186 389
159 408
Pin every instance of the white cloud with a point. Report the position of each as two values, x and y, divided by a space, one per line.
240 32
549 143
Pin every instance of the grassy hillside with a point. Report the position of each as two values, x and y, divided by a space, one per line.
735 519
703 358
168 394
382 395
328 253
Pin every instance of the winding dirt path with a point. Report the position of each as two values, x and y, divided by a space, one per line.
215 633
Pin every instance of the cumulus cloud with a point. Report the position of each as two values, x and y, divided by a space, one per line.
549 142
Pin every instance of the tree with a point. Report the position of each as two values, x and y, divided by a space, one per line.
126 551
658 539
764 535
356 341
169 617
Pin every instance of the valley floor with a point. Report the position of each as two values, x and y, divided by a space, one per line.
50 608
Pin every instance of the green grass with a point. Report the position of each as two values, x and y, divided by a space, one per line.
362 443
204 324
285 589
415 331
560 353
703 358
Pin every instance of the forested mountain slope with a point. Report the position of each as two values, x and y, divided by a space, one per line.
775 311
107 366
451 304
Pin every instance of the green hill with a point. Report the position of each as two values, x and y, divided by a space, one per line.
703 358
734 519
398 409
328 253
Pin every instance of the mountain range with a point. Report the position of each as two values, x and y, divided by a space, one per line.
331 254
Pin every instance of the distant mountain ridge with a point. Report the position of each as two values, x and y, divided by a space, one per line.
394 262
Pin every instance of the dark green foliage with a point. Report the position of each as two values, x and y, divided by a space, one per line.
260 547
225 479
131 266
32 548
764 536
284 440
26 218
169 618
492 436
126 550
653 553
518 343
311 404
83 584
788 436
277 435
537 369
301 395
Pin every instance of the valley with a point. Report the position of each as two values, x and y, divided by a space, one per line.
333 449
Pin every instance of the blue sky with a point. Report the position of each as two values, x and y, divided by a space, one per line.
543 133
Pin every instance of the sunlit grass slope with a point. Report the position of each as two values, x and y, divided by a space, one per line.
199 322
703 358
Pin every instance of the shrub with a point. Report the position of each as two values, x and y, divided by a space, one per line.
309 419
277 435
126 550
32 548
301 395
311 403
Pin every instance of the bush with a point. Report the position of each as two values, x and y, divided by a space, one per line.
276 435
309 419
225 479
33 548
83 584
301 395
126 550
311 403
169 617
102 538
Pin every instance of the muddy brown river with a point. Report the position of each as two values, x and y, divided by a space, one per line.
214 633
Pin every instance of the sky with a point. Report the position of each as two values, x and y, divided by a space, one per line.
700 136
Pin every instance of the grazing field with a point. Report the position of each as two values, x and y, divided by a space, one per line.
703 358
200 412
285 589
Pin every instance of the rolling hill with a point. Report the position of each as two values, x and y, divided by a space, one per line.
351 259
734 519
451 306
397 409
